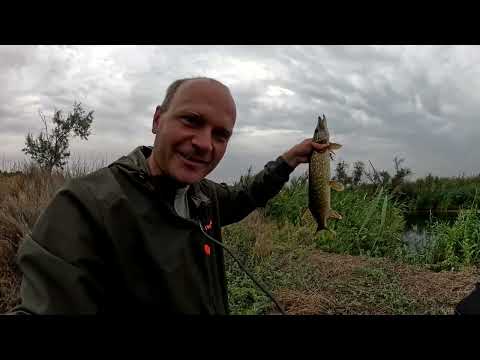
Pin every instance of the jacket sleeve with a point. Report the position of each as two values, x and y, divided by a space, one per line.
470 305
236 202
61 263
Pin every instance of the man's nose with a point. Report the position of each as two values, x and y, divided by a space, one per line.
203 141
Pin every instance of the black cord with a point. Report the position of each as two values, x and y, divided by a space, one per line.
243 268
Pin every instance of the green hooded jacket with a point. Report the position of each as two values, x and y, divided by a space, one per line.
111 242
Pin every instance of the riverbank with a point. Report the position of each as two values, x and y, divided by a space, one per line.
360 285
352 273
307 280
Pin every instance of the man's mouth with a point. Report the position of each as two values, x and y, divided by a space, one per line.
190 158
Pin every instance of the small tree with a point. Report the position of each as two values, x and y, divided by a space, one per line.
400 172
374 176
341 172
358 169
384 177
50 148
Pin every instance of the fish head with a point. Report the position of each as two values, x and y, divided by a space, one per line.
321 134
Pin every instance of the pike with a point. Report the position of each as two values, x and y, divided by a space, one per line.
319 182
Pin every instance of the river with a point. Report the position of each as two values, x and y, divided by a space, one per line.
416 224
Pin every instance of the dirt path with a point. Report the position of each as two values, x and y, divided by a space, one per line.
360 285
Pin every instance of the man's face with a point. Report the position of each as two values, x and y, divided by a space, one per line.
193 133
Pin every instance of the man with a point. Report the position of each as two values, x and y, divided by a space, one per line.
129 238
470 304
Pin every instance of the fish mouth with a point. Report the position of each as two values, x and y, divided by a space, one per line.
321 134
322 121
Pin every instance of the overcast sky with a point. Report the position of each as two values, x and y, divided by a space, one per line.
420 103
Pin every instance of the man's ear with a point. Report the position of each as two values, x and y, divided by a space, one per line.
156 118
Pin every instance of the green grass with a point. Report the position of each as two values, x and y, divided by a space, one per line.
277 270
349 286
380 287
290 204
372 224
453 246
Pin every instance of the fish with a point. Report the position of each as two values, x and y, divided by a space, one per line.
319 181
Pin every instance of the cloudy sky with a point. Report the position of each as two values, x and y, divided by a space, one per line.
420 103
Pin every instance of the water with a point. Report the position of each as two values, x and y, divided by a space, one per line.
416 224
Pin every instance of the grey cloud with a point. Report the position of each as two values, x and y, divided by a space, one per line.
420 102
16 56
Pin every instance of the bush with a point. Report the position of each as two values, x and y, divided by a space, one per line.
372 224
290 204
453 247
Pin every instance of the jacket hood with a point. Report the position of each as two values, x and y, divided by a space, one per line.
135 165
135 161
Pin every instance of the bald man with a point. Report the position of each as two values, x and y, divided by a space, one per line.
135 236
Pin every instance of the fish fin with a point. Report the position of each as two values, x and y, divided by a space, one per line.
334 215
332 232
396 189
335 185
319 228
334 146
302 217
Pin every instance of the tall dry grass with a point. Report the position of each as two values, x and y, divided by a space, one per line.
25 191
22 199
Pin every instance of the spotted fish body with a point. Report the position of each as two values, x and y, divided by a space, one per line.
319 179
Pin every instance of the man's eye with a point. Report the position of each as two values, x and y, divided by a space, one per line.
190 120
221 137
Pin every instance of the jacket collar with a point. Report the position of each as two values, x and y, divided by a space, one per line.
199 198
135 164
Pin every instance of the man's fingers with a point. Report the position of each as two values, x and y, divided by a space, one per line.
320 147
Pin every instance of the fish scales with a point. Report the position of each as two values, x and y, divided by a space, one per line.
319 189
319 182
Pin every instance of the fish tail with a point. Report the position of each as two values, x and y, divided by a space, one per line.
334 234
320 228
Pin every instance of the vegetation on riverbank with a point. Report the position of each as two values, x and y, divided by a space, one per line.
432 193
372 228
305 280
366 268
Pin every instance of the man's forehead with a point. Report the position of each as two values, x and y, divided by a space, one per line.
201 85
204 89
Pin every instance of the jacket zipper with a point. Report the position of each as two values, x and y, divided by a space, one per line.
194 223
210 274
198 224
